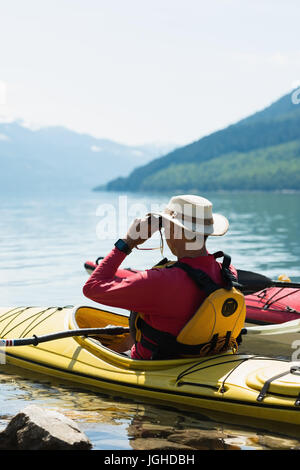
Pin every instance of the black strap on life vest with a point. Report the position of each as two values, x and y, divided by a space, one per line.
167 347
205 283
161 263
228 277
164 345
202 279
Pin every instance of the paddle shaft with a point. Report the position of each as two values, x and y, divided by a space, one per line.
35 340
253 282
292 285
287 327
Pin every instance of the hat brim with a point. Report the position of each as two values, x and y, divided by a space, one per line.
217 229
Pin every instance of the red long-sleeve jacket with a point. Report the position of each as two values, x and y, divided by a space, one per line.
168 298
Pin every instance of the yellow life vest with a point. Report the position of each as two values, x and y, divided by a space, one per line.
215 326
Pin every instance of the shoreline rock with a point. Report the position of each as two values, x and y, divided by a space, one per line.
35 428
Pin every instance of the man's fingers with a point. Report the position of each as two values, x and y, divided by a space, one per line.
143 228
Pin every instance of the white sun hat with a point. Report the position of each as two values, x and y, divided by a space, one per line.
194 213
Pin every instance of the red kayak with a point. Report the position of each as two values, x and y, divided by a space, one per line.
273 305
268 306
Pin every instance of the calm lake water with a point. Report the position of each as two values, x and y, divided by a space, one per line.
46 238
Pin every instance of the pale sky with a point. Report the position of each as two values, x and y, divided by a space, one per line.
139 71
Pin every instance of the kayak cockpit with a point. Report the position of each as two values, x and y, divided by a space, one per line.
112 348
91 317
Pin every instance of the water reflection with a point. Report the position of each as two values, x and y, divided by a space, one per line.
114 422
176 431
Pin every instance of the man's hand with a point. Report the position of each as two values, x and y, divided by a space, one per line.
141 230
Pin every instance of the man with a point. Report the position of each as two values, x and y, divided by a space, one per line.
166 298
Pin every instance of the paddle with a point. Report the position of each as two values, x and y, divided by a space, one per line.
35 340
253 282
288 327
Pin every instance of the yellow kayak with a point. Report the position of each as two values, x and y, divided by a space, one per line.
239 384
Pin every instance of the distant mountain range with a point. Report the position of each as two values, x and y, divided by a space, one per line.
58 158
261 152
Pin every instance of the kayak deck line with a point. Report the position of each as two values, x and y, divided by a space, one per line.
192 384
32 324
274 299
159 391
222 389
273 305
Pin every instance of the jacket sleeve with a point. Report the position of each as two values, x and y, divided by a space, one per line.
133 291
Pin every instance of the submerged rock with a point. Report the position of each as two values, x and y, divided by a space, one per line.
35 428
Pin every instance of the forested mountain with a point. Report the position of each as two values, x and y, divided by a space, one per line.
261 151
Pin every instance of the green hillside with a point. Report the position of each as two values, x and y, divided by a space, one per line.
259 169
259 152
